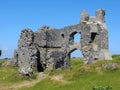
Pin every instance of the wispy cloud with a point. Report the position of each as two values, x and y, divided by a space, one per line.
6 52
5 49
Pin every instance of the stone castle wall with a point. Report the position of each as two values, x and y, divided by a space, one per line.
50 48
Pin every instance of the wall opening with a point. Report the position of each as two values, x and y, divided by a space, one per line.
93 35
76 53
39 65
75 38
62 35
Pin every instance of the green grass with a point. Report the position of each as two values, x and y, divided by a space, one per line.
80 77
9 74
83 77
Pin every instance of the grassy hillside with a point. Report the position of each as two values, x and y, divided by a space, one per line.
98 76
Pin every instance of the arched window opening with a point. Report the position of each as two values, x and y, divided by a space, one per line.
75 38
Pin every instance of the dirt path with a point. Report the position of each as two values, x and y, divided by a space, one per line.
30 83
59 78
41 76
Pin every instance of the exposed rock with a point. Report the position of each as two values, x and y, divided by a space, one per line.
50 48
110 66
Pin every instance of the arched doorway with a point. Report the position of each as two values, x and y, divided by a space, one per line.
75 53
75 57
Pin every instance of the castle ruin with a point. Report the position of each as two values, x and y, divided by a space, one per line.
50 48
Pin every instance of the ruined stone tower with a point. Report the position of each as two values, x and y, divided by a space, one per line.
50 48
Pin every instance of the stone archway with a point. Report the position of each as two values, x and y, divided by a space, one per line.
74 49
70 57
72 44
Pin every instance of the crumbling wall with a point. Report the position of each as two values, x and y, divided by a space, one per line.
50 48
26 53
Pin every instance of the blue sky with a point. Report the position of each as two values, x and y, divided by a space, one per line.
16 15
